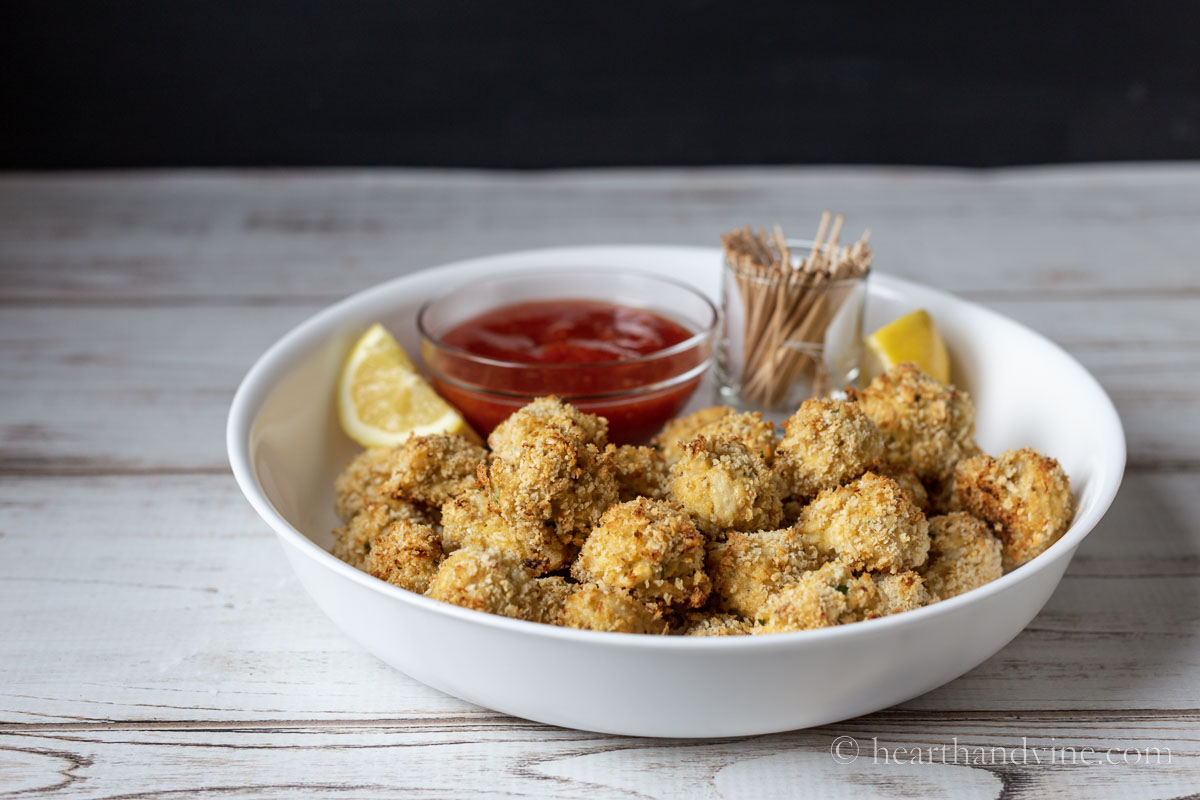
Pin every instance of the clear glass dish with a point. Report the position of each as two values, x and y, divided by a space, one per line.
636 395
815 352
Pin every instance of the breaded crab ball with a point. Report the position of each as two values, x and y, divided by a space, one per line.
747 568
870 524
821 598
429 470
726 487
649 548
498 583
595 608
1023 495
552 478
928 426
836 595
469 520
546 413
361 482
407 555
826 443
963 555
352 542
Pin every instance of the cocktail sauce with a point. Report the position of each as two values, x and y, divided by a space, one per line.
531 348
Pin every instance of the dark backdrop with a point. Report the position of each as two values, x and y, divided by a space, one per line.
551 84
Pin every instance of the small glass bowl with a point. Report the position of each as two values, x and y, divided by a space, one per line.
637 395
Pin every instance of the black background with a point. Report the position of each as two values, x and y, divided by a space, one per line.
527 85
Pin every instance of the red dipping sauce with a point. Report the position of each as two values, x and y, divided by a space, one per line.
566 332
635 367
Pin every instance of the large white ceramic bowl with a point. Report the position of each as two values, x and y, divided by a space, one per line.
286 447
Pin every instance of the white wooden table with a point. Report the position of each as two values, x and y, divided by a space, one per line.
154 643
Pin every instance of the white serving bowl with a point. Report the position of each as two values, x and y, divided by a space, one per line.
286 447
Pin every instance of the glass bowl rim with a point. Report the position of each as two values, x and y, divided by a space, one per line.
689 343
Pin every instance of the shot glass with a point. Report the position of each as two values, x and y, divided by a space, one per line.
787 336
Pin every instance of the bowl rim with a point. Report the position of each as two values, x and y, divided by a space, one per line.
266 371
695 340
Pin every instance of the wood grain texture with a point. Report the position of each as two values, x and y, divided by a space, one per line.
271 237
505 758
153 642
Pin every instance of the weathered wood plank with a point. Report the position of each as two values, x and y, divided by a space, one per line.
96 390
272 236
165 598
976 756
168 599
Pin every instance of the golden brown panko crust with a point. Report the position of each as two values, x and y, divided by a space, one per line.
640 472
352 542
429 470
911 485
726 487
826 443
494 582
553 478
361 481
821 598
903 591
551 598
750 429
649 548
835 595
871 524
546 413
963 555
471 520
1023 495
747 568
675 435
596 608
707 623
407 555
699 548
927 426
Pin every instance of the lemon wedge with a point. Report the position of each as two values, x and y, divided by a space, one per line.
914 337
383 400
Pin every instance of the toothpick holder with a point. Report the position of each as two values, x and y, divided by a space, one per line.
787 337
